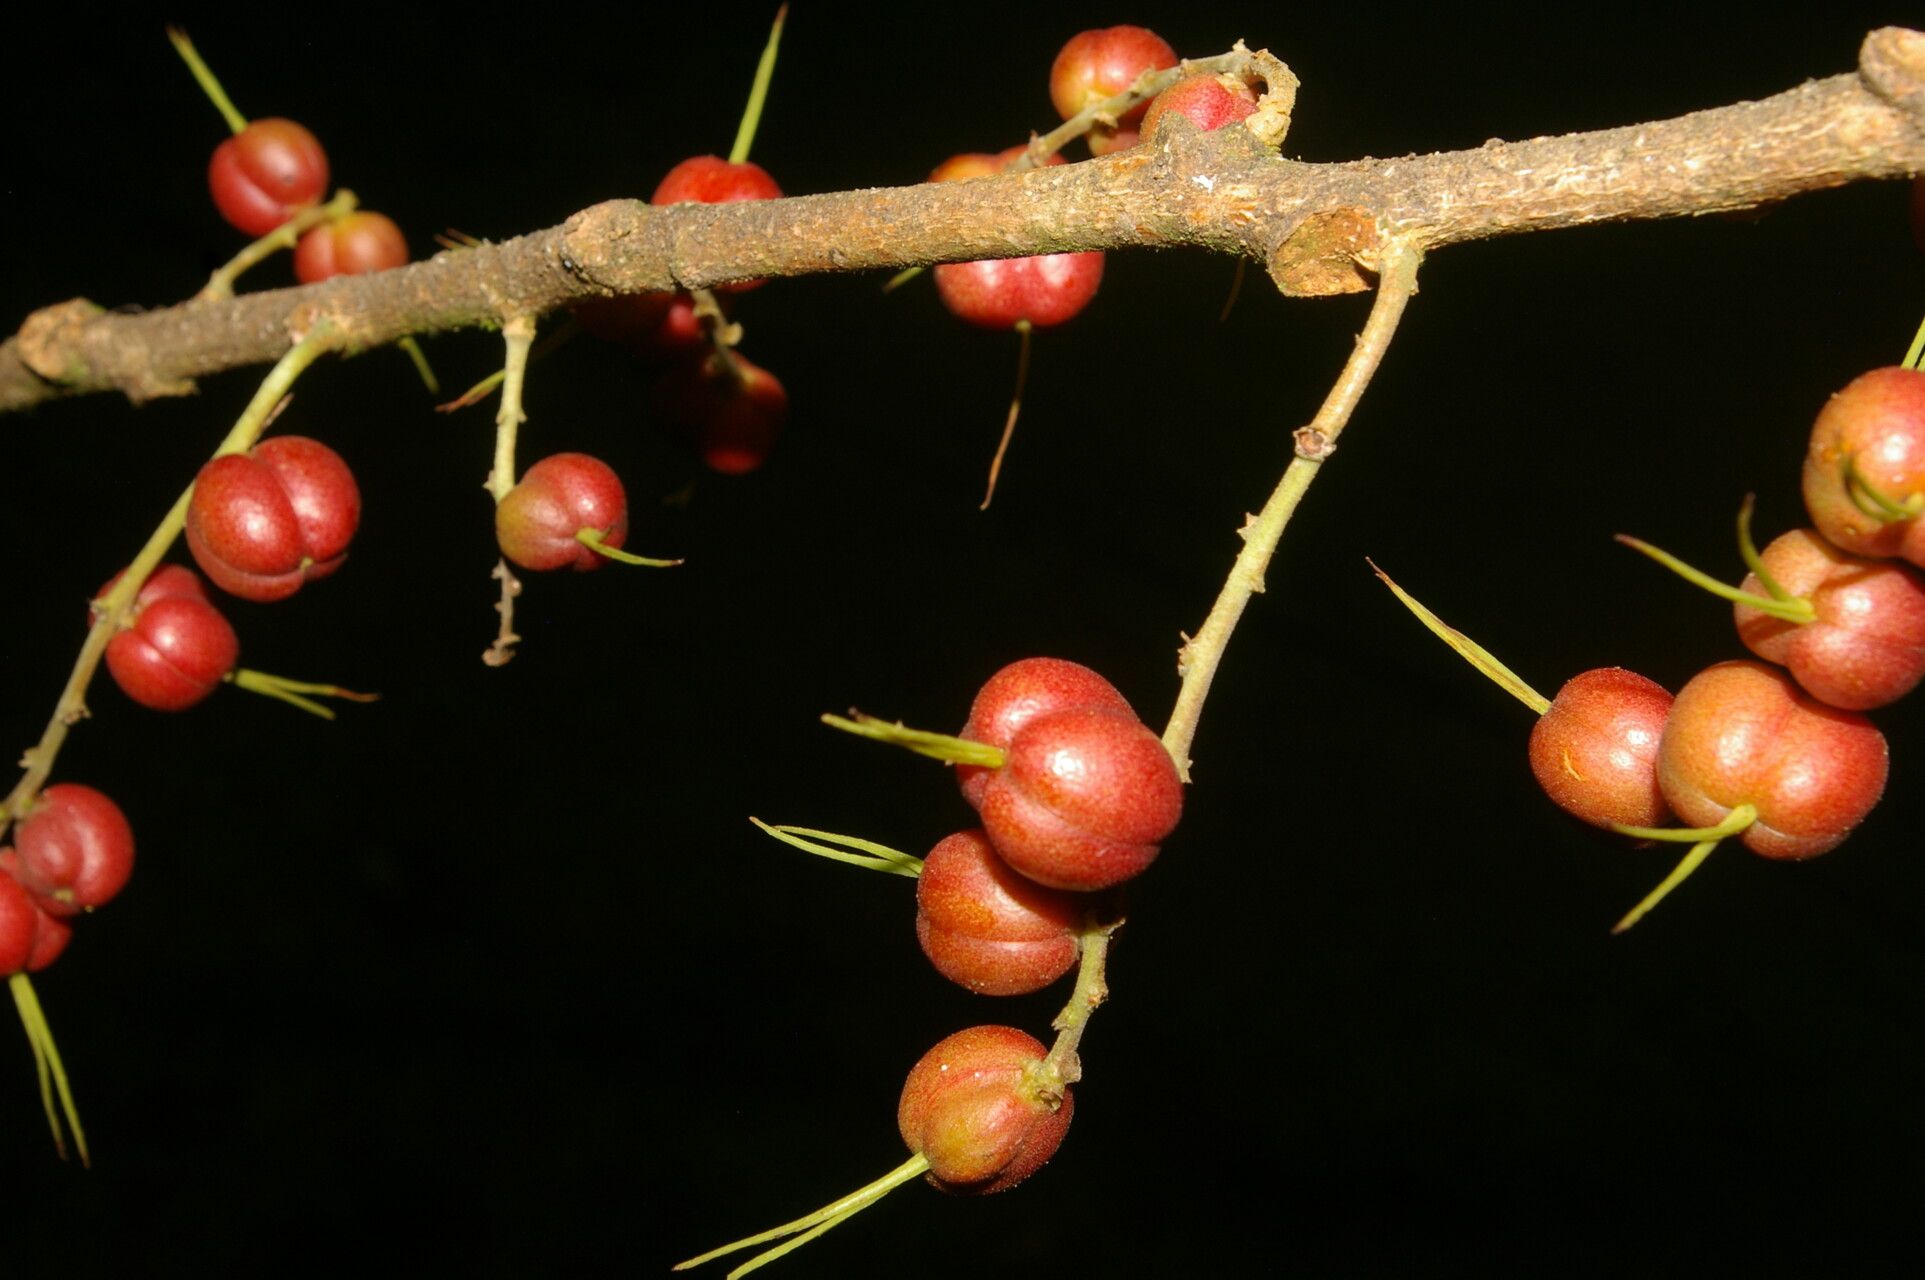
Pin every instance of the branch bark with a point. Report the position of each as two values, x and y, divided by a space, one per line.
1317 227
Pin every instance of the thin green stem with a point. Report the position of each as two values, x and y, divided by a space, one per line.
1064 1065
1734 822
902 278
1796 609
1203 653
204 75
937 746
556 339
879 857
1874 502
1915 354
1468 649
421 365
290 691
593 539
830 1214
1748 552
48 1066
759 91
1023 331
1741 817
221 283
518 334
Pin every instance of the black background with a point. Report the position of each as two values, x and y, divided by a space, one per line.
497 974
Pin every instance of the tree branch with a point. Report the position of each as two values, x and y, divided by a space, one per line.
1317 227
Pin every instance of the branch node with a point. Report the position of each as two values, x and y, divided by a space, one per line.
1892 64
1313 445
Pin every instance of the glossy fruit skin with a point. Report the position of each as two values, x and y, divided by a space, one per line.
713 180
998 293
1019 693
176 647
1867 647
1878 422
989 929
30 939
1099 64
74 849
1083 799
352 245
1595 751
1742 733
971 1109
558 497
732 424
1208 102
263 522
266 173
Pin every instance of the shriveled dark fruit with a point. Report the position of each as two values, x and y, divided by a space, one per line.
986 927
537 522
1595 750
975 1106
1017 694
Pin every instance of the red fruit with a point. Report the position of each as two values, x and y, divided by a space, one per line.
30 939
266 173
731 420
359 242
1867 646
974 1108
999 293
1208 102
986 927
73 849
1742 733
713 180
1020 692
1083 799
176 647
1595 750
1877 426
558 497
263 522
1100 64
658 326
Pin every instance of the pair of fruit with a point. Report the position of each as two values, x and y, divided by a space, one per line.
73 850
262 523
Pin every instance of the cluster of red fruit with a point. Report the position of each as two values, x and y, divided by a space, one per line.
72 851
1783 759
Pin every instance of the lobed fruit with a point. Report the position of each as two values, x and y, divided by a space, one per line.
1206 101
1867 646
1000 293
351 245
1876 425
176 647
1019 693
73 850
1099 64
731 419
986 927
1083 800
266 173
1595 750
536 523
263 522
974 1108
1742 733
30 939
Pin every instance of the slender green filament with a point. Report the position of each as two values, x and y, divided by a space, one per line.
759 91
1707 839
876 857
1472 652
814 1224
1796 609
592 539
48 1067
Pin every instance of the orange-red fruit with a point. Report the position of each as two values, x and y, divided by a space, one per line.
973 1108
1100 64
266 173
1083 800
359 242
30 939
1595 751
998 293
1867 646
1018 694
73 850
558 497
263 522
1878 423
1743 733
731 421
176 647
1208 102
987 928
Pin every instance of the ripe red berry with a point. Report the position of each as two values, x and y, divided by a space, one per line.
30 939
176 647
558 497
263 522
1874 428
1020 692
1000 293
266 173
974 1108
713 180
1083 800
73 849
1743 733
1208 102
1100 64
731 418
1866 647
989 929
1595 750
359 242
